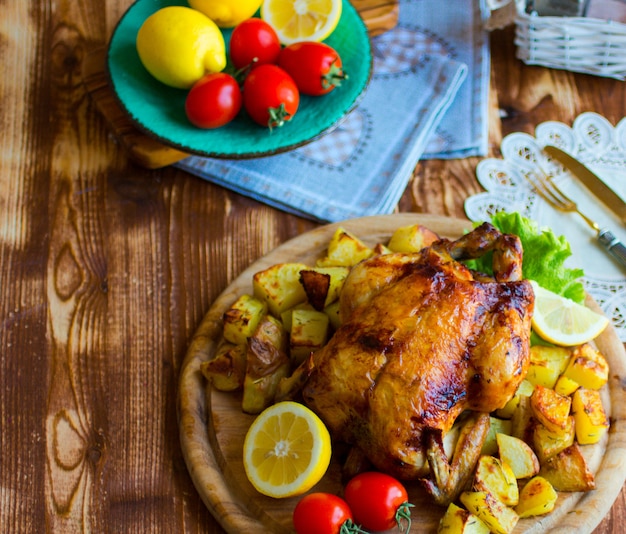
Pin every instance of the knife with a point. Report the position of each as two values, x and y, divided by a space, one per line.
590 180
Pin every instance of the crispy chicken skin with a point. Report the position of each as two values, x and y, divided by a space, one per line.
422 339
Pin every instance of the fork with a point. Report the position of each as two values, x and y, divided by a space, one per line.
545 187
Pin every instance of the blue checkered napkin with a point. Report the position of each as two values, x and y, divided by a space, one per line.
363 166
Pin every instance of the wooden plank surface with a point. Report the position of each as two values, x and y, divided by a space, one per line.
107 268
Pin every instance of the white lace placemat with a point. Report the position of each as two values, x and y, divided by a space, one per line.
601 147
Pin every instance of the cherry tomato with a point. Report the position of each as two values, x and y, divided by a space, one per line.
378 501
315 67
322 513
253 38
213 101
270 96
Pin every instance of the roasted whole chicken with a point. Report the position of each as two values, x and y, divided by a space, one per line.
423 339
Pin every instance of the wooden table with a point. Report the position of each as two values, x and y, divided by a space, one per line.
107 268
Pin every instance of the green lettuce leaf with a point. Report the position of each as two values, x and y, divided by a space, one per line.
544 256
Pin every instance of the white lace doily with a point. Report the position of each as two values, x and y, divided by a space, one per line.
601 147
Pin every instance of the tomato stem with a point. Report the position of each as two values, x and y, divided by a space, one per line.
334 77
403 515
349 527
278 116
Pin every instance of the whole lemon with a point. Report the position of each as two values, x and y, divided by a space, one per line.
227 13
179 45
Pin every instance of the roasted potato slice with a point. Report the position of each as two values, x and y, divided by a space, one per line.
547 443
309 332
518 456
547 363
267 363
496 477
500 518
496 426
457 520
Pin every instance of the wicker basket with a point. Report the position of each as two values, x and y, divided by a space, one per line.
577 44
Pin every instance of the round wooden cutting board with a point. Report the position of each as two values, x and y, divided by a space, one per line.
213 427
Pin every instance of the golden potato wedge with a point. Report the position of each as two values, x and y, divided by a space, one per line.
345 249
379 249
547 364
550 409
226 371
590 418
457 520
495 477
547 443
242 318
565 386
267 363
496 515
411 238
496 425
568 470
587 367
537 497
322 285
525 389
279 286
518 456
309 332
522 421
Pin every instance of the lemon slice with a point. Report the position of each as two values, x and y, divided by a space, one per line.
562 321
301 20
286 450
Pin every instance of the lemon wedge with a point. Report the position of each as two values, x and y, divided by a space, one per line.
301 20
562 321
286 450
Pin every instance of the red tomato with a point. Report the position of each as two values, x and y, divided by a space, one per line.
213 101
315 67
270 96
322 513
378 501
253 38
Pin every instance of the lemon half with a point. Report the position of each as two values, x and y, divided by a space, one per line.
302 20
287 450
562 321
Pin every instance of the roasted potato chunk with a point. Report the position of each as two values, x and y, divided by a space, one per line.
322 285
411 238
547 364
309 332
227 370
457 520
345 249
587 367
496 515
590 418
496 477
518 456
547 443
550 409
496 426
279 286
537 497
267 363
242 318
568 470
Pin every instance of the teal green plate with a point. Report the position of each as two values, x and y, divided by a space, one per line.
159 110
